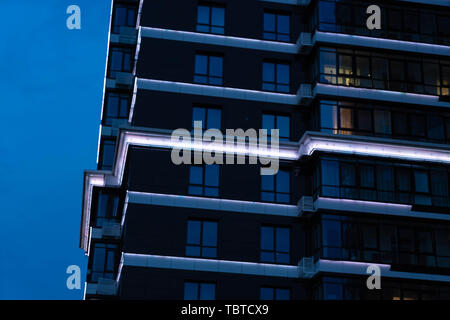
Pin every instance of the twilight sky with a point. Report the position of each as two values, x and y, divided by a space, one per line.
51 82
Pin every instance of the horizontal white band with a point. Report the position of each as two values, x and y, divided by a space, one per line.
265 269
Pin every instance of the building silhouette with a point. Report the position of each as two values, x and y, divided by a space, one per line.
364 125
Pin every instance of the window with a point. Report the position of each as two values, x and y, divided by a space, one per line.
107 208
199 291
331 238
201 239
408 24
208 69
382 119
104 261
210 19
282 123
116 107
373 70
210 117
124 16
276 27
422 187
382 181
276 188
204 180
373 240
276 77
275 244
330 178
119 61
267 293
108 148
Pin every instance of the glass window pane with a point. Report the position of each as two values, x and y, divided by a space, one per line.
268 122
218 17
403 179
215 65
283 24
330 173
327 12
348 174
193 232
283 126
108 153
363 67
190 291
268 72
346 118
365 120
198 114
367 174
266 294
203 14
421 181
214 119
267 240
113 105
116 60
417 125
207 291
388 238
196 175
269 22
370 236
98 264
282 294
331 233
193 251
201 64
382 119
267 183
385 178
209 234
212 175
435 127
283 239
400 123
406 239
332 291
283 181
328 116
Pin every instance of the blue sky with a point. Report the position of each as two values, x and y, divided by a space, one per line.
51 81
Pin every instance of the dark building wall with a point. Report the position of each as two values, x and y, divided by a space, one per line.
162 230
153 171
182 15
156 109
242 68
157 284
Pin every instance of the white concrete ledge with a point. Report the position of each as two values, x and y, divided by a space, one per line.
443 3
373 207
379 43
310 143
265 269
216 204
378 95
209 265
320 37
217 91
219 40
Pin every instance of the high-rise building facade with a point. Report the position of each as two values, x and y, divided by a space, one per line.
364 129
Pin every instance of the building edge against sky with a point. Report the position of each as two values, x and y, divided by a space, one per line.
364 123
